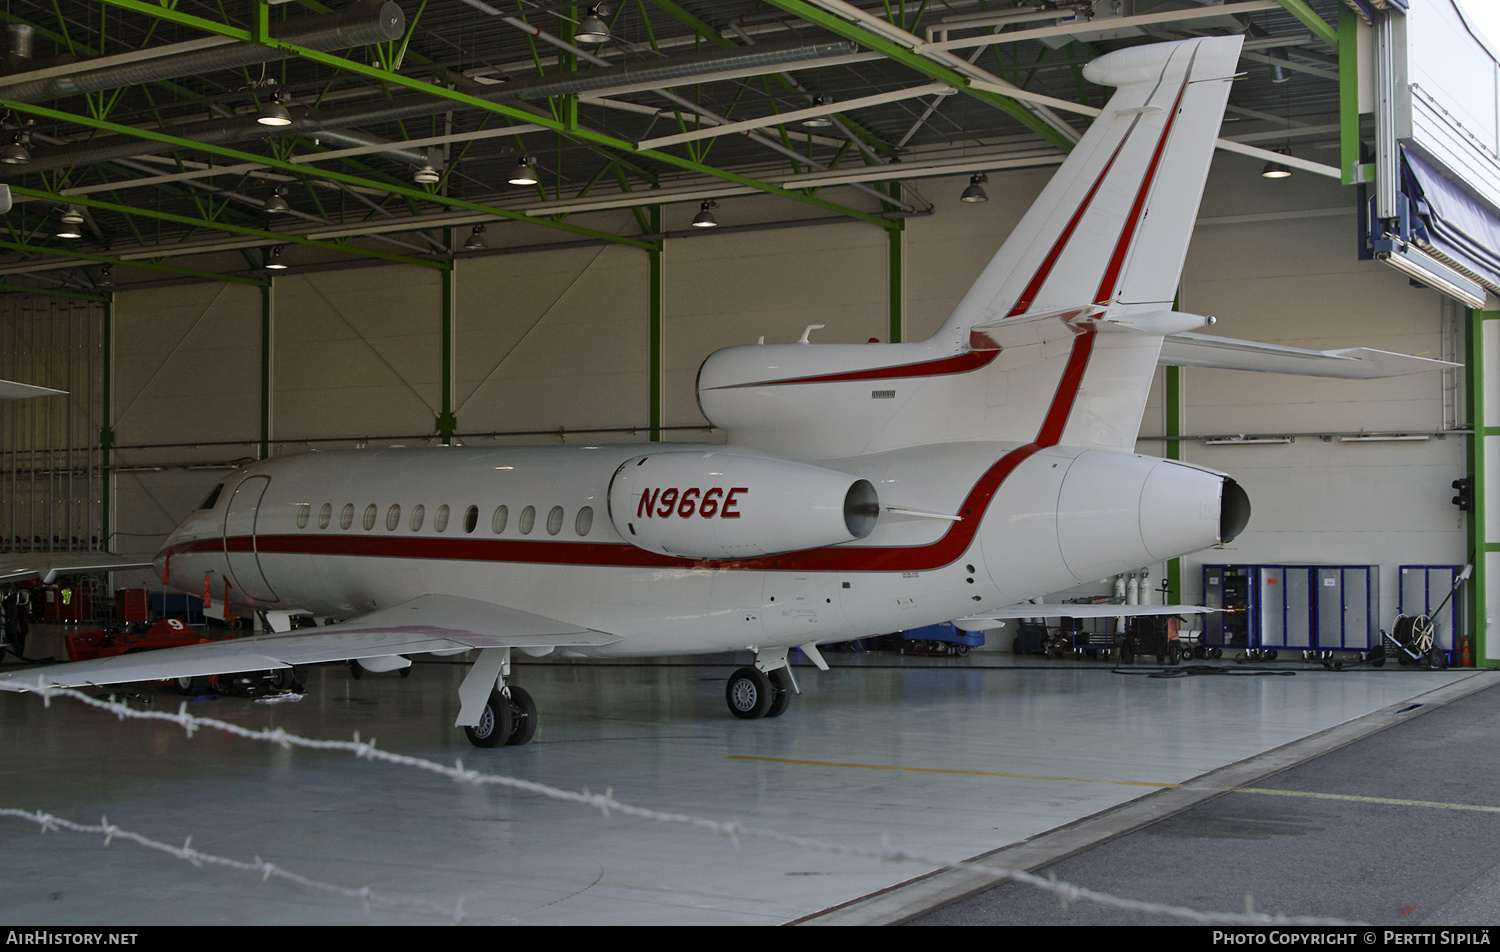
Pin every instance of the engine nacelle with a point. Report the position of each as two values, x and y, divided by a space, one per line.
1116 511
720 505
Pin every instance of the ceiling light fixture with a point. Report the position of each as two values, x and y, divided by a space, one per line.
974 194
15 152
1275 170
274 260
525 173
592 29
273 112
819 122
705 217
476 240
72 223
276 204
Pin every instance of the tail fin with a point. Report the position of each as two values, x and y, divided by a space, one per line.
1058 340
1112 227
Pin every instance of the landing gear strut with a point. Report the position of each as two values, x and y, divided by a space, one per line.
492 713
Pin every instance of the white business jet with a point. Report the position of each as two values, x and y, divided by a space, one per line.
863 488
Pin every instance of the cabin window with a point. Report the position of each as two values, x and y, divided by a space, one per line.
497 522
418 512
585 521
471 518
370 512
325 515
212 498
440 519
304 512
555 520
346 518
528 520
393 518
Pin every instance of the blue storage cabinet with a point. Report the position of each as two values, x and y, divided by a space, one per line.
1283 617
1423 590
1316 607
1231 589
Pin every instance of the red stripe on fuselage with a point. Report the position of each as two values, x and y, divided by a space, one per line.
623 555
1107 289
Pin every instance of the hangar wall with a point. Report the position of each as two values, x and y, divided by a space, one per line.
561 339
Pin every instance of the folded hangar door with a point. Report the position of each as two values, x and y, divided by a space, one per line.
239 540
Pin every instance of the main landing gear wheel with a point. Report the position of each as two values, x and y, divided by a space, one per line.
781 688
749 694
523 717
496 723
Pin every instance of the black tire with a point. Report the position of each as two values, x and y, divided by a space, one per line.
1216 652
781 688
192 687
1127 653
748 693
1271 654
1174 655
496 723
523 717
356 671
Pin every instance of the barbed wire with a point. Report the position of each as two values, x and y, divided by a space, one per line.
606 804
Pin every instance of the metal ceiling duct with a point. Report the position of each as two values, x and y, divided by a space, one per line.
336 126
361 23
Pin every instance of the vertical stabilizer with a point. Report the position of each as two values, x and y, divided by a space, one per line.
1058 340
1112 227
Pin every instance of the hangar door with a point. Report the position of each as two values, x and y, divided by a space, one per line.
239 540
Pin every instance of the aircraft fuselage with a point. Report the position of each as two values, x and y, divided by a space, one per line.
339 534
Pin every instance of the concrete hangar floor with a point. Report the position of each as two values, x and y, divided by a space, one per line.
1360 795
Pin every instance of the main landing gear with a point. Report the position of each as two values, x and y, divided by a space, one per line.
765 688
508 719
491 712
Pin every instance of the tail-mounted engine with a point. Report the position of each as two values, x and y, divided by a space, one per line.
717 505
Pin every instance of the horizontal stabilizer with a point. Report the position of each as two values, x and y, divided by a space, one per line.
430 623
1354 363
985 620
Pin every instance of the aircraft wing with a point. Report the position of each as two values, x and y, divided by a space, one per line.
10 390
429 623
1354 363
47 566
985 620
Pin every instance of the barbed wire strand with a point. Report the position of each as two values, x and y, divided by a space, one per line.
606 804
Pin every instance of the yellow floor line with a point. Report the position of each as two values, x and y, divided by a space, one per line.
1386 801
964 773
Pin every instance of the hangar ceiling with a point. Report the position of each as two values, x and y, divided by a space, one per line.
141 124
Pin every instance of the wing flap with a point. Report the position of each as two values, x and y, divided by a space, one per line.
429 623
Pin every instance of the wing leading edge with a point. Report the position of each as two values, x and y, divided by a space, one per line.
430 623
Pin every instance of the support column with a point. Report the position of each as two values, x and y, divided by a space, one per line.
1173 400
657 264
447 420
107 431
895 236
267 377
1484 459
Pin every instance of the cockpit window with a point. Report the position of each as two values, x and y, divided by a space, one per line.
212 498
